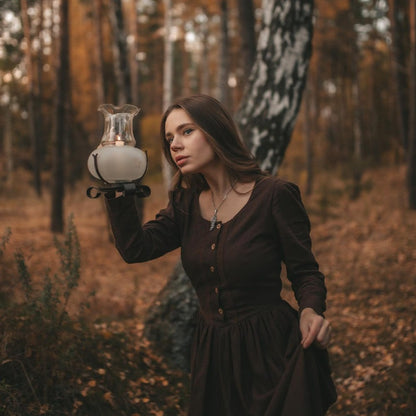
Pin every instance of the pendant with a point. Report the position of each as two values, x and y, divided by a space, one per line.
213 221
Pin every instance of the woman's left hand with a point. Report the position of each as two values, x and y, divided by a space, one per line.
314 328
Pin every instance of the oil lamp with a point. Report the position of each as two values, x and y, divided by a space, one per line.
116 162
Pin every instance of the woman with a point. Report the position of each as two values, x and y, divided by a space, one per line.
252 353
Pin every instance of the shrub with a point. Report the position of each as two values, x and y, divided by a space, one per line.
54 364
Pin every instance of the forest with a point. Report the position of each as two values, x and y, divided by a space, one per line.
324 93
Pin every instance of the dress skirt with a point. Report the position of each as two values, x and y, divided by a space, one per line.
253 364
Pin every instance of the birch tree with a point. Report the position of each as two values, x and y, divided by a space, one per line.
267 115
269 107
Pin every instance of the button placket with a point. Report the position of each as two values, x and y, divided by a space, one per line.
214 268
213 247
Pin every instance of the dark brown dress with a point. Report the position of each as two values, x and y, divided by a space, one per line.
247 359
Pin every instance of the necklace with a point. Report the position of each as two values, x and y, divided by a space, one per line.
216 209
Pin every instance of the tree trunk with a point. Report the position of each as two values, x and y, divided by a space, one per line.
169 323
132 53
60 122
272 99
223 93
399 20
307 138
31 108
120 58
98 50
205 55
38 90
247 34
133 88
275 89
411 169
7 145
357 165
167 82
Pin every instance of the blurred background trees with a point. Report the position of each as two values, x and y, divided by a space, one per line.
357 111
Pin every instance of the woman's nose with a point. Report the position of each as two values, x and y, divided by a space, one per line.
176 144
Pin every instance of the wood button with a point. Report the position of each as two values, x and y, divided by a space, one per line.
218 226
213 246
212 269
220 311
216 290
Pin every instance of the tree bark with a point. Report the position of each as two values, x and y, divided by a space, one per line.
169 322
411 164
31 107
205 55
399 19
60 122
272 99
247 35
358 165
120 55
167 82
132 53
98 50
38 90
223 93
267 115
307 138
8 145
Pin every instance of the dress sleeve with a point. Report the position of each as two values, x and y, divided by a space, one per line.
137 243
293 228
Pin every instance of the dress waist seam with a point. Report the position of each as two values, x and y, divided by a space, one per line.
230 318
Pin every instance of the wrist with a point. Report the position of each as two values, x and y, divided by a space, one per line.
307 311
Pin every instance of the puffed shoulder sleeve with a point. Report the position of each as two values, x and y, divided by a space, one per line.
137 243
293 228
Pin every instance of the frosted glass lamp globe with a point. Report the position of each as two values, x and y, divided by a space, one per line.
116 159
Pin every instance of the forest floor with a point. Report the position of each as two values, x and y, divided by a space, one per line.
366 249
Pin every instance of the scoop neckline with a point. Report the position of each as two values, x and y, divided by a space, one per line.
257 181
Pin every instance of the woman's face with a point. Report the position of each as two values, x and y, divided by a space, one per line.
189 146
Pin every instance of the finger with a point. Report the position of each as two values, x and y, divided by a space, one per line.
311 335
324 336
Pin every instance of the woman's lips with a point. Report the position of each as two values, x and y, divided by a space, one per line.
181 160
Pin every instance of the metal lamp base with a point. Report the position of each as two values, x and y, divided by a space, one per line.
127 188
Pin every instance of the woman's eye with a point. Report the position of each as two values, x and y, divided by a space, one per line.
169 140
187 132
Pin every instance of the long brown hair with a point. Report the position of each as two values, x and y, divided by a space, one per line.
221 133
